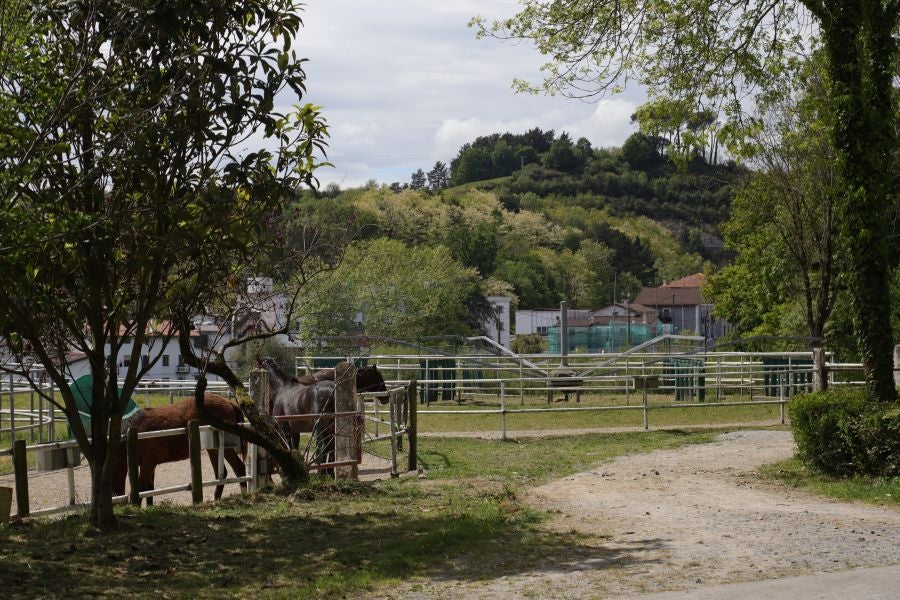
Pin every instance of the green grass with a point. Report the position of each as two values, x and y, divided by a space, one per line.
871 490
464 520
485 184
658 417
532 461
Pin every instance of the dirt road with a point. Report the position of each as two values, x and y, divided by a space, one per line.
684 519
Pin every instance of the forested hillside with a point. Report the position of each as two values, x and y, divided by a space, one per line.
535 216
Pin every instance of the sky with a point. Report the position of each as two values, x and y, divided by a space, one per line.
404 83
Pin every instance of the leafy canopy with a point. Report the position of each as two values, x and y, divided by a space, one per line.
127 192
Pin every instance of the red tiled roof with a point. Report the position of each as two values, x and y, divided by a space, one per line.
669 296
691 281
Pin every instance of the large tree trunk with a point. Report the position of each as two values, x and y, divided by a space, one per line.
102 515
106 429
861 51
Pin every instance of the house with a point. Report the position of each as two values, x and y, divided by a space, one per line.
261 308
205 338
681 304
623 312
540 320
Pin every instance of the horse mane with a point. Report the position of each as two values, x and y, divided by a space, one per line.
272 367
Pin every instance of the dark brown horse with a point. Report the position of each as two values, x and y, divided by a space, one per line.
295 396
310 395
155 451
368 379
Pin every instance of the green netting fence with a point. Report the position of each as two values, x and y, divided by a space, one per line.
614 337
437 370
688 375
778 372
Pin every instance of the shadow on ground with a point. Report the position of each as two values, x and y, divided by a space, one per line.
292 548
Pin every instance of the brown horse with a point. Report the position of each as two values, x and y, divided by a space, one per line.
154 451
309 395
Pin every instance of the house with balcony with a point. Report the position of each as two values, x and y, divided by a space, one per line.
680 303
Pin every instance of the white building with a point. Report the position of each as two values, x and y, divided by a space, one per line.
497 328
170 366
538 320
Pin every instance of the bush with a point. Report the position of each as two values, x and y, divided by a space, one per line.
842 432
528 344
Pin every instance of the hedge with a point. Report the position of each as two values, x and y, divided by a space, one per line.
843 433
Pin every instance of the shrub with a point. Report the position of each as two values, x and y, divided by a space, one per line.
841 432
528 344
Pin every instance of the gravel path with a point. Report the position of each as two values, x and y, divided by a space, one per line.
685 518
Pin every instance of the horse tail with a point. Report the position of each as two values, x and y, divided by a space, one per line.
134 420
239 418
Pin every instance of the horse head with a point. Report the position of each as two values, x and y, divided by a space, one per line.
279 378
369 379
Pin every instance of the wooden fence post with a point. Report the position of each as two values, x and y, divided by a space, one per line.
820 377
345 438
131 452
392 399
20 466
196 468
262 463
413 401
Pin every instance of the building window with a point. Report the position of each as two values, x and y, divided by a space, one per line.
165 360
542 330
666 316
126 363
145 360
180 360
499 309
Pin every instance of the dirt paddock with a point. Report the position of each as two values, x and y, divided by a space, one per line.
47 490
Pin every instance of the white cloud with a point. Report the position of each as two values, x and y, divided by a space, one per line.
405 83
608 125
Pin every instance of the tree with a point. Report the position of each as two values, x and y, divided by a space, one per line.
685 131
529 281
503 159
474 165
417 180
475 248
640 152
561 156
438 177
124 206
394 290
717 51
526 155
787 208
